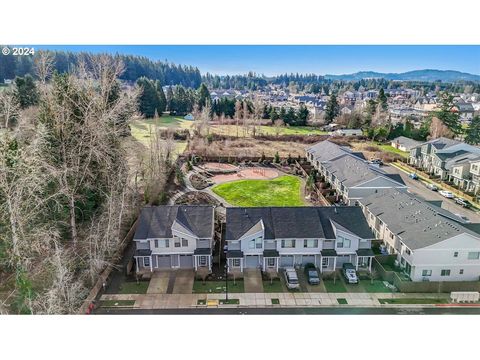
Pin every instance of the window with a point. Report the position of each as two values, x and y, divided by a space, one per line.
184 243
325 262
343 243
391 235
255 243
426 272
271 262
161 243
236 262
445 273
475 255
288 243
407 251
461 271
146 261
177 242
202 261
455 254
310 243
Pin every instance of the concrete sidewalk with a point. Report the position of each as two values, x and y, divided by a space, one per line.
264 300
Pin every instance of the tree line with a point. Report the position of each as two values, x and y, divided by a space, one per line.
135 67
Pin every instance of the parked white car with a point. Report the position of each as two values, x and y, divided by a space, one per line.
349 273
291 278
447 194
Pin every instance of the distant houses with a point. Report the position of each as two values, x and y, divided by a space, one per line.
403 143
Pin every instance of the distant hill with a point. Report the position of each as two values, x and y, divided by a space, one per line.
429 75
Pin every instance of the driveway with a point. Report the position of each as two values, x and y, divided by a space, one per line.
419 188
252 280
183 281
159 282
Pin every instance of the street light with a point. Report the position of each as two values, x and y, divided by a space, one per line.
226 280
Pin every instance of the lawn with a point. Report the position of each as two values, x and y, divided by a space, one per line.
282 191
391 149
134 287
217 287
116 303
231 130
342 301
338 287
376 287
413 301
274 287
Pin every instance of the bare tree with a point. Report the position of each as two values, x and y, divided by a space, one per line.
238 113
278 125
9 108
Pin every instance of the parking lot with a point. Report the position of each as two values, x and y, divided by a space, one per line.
419 188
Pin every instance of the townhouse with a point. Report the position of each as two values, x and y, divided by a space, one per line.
178 236
349 173
270 238
447 159
431 243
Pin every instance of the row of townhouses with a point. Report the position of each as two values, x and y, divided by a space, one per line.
270 238
449 160
431 243
349 173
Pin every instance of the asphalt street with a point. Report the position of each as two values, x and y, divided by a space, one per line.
297 311
419 188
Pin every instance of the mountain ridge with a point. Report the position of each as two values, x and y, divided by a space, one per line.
429 75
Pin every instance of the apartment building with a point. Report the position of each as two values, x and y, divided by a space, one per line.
349 173
431 243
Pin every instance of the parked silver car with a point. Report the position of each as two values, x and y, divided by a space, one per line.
291 278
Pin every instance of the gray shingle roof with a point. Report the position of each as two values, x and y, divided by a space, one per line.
327 150
157 221
405 141
418 223
297 222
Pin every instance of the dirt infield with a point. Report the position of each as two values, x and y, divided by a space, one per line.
218 167
256 173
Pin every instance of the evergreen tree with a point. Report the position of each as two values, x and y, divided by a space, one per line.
162 100
203 96
473 132
274 114
332 110
149 101
382 99
302 115
25 91
169 98
448 115
282 113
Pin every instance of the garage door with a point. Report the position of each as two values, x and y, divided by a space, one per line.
308 259
186 261
251 261
286 261
163 261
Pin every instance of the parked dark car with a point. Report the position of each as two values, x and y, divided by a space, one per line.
312 274
463 202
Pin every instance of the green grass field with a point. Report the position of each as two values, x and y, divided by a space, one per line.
282 191
143 128
132 287
391 149
337 287
231 130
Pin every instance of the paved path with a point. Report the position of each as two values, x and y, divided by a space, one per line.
184 281
158 283
264 300
252 280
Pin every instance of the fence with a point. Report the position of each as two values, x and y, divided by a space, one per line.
420 286
234 158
